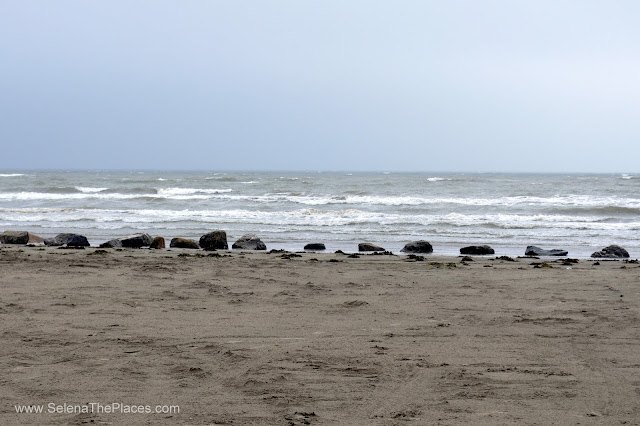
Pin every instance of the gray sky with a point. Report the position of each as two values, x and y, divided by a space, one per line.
325 85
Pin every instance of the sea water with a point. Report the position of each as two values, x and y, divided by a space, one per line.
580 213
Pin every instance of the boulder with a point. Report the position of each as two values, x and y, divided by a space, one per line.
611 252
477 250
64 238
112 244
136 240
216 240
157 243
369 247
184 243
35 239
78 241
249 242
14 237
418 247
315 246
537 251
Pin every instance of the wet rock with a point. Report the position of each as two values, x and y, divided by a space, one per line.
136 240
315 246
35 239
369 247
112 244
479 250
64 238
612 252
249 242
418 247
157 243
14 237
184 243
537 251
214 240
78 241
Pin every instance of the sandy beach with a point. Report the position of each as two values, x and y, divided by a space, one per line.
267 338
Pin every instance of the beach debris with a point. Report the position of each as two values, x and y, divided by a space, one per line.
289 255
216 240
537 251
98 252
478 250
382 253
369 247
354 256
249 242
466 259
275 251
339 252
335 260
355 303
414 258
506 258
183 243
315 246
611 252
539 265
420 246
157 243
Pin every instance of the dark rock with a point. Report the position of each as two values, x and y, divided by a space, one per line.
216 240
611 252
136 240
112 244
64 238
369 247
249 242
315 246
418 247
78 241
14 237
157 243
477 250
537 251
184 243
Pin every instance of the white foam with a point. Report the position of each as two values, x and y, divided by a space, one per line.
90 190
11 174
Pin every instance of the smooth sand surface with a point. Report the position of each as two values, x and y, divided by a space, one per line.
257 339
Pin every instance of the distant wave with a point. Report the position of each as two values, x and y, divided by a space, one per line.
11 174
577 202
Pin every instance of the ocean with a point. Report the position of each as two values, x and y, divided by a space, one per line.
580 213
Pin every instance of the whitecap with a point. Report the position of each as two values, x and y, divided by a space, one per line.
90 190
11 174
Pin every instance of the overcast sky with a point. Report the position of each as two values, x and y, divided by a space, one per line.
324 85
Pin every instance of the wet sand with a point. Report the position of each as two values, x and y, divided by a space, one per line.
256 338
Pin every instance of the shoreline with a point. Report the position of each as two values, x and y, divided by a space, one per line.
318 338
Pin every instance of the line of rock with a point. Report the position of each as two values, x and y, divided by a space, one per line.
217 240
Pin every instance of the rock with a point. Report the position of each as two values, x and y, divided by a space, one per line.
14 237
112 244
418 247
537 251
249 242
477 250
64 238
369 247
216 240
184 243
315 246
611 252
136 240
157 243
35 239
78 241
